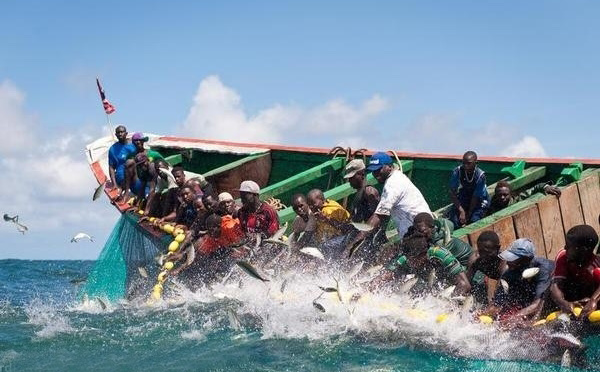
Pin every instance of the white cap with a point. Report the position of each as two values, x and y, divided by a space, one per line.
225 196
249 186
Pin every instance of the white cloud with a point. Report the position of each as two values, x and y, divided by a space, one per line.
218 113
527 147
15 123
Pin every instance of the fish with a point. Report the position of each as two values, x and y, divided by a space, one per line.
318 306
190 253
446 293
504 284
279 233
530 272
143 272
98 191
468 303
328 289
362 226
234 320
431 278
355 248
81 235
78 281
338 291
374 270
355 270
7 218
283 285
567 339
102 303
250 270
565 360
312 251
408 285
21 228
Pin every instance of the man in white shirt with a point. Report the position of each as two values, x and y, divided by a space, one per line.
400 200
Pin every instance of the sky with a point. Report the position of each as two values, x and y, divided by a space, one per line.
508 78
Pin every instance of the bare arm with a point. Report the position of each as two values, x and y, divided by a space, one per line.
462 284
559 297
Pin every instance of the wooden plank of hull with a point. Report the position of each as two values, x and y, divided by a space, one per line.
257 169
570 207
552 227
505 229
589 193
528 225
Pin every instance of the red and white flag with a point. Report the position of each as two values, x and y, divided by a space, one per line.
108 107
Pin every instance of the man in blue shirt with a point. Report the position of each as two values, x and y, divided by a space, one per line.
468 192
117 156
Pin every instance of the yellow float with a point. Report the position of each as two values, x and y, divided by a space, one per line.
173 247
180 238
486 319
168 265
553 316
594 316
441 318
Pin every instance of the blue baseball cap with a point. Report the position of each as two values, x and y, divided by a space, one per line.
378 160
519 248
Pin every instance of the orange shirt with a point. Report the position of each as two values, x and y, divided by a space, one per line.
231 234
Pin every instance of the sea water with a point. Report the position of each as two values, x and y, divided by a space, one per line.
248 325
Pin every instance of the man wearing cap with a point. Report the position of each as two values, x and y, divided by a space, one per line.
256 216
521 297
227 205
367 197
577 274
118 154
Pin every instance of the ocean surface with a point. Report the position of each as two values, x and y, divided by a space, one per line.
250 326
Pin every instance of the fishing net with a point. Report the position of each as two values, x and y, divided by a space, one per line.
127 257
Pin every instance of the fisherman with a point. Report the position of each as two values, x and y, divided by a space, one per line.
438 232
172 198
400 200
304 225
524 289
185 212
503 196
468 192
144 179
256 217
367 197
162 201
227 205
576 277
487 262
199 185
430 264
331 218
117 156
213 251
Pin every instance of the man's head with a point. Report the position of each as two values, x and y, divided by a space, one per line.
415 248
423 225
121 133
315 199
141 160
199 205
249 193
300 206
381 165
179 175
488 245
519 254
580 242
194 183
226 203
187 195
213 225
355 173
138 140
210 203
469 161
502 193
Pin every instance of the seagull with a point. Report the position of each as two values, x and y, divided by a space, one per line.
80 236
8 218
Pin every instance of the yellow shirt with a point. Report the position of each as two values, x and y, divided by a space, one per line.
335 212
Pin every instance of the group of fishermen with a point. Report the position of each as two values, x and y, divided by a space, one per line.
514 285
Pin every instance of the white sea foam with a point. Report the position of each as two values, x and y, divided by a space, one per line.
195 334
51 321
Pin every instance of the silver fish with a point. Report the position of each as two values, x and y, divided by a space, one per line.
432 278
355 248
530 272
234 320
283 285
143 272
504 284
318 306
78 281
355 270
446 293
362 226
190 252
98 191
250 270
328 289
408 285
102 303
567 338
468 303
315 252
565 360
339 292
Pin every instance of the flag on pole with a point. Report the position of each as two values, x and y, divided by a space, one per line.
108 107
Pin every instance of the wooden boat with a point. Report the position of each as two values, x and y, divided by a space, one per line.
282 171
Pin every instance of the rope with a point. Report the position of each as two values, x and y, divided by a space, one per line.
397 160
275 204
